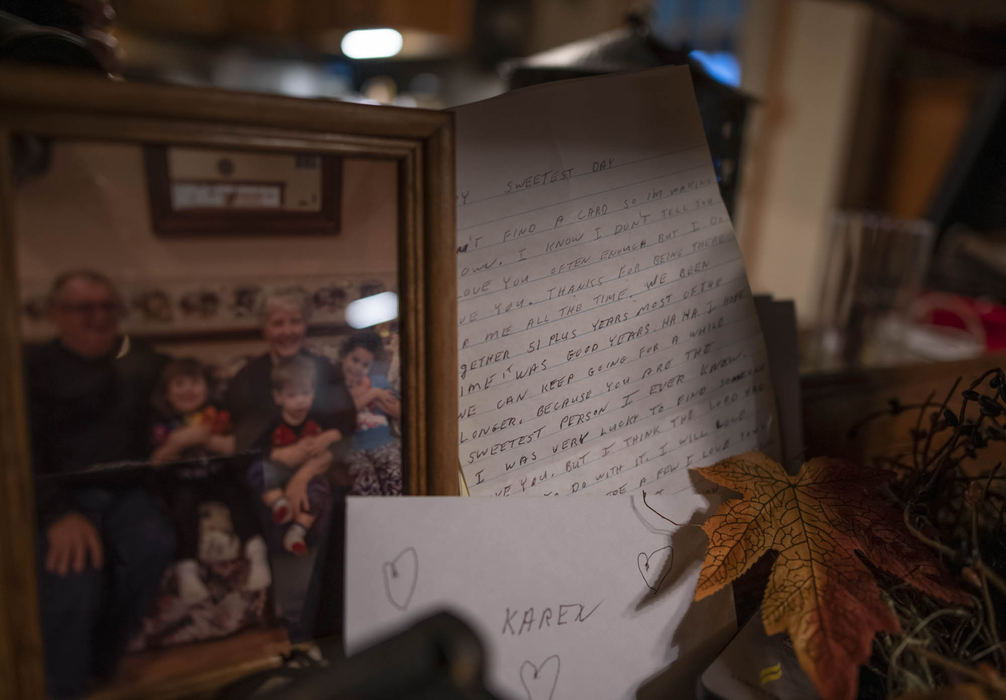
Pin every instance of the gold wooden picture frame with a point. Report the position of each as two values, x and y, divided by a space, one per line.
46 114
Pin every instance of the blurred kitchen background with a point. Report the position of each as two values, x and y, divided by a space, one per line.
860 145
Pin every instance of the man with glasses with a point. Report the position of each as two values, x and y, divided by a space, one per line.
103 542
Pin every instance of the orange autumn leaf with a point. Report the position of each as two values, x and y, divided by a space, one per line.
819 591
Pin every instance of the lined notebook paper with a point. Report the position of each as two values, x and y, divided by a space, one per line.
607 337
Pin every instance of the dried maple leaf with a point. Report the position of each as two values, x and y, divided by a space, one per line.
819 590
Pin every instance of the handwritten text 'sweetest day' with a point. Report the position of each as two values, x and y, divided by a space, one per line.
606 333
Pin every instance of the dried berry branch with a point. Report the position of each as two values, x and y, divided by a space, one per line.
953 498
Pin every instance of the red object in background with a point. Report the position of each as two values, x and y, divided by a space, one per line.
284 436
967 314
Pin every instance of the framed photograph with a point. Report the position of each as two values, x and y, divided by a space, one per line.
207 191
183 411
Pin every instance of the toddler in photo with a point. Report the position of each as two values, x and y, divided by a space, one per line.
375 458
298 451
187 431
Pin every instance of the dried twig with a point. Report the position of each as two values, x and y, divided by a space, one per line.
956 513
995 684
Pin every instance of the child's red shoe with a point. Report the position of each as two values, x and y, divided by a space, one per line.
293 540
281 513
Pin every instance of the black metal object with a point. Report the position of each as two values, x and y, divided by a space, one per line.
722 107
26 42
968 207
975 29
438 658
973 189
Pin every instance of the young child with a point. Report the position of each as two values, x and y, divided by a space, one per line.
188 430
375 459
298 451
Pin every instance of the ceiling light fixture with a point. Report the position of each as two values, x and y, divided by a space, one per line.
372 43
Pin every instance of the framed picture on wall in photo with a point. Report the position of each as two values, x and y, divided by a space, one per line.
205 191
185 411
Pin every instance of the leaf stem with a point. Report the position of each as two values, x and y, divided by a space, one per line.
661 514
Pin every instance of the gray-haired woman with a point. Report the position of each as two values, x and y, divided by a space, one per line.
249 396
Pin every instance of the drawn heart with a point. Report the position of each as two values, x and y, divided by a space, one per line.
539 681
400 576
655 566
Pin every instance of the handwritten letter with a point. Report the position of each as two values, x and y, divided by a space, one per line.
607 337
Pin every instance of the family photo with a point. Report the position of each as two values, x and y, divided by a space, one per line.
199 406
